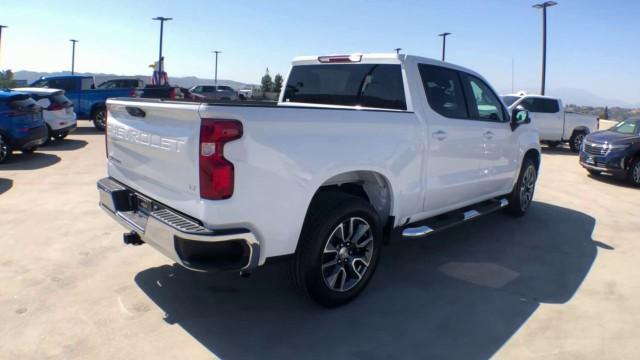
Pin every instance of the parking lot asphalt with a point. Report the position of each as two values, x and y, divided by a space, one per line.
561 282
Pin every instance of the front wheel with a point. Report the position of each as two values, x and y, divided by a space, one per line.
522 195
338 250
575 142
100 119
30 150
5 149
634 173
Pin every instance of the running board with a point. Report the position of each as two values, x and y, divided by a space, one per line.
425 227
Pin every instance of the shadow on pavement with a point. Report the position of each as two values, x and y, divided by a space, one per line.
87 130
65 145
5 184
460 294
612 180
558 150
34 161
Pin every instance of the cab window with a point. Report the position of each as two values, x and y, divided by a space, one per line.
484 104
444 91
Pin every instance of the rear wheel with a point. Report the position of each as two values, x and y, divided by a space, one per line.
5 149
575 142
338 249
100 118
634 172
522 195
47 140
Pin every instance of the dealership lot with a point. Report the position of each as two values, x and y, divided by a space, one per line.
560 282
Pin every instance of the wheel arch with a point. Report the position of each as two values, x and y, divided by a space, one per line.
370 185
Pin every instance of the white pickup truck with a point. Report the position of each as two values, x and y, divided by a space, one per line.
554 124
359 149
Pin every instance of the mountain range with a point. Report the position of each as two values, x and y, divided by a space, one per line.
187 81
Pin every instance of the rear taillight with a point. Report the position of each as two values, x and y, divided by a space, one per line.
216 172
55 106
133 93
172 93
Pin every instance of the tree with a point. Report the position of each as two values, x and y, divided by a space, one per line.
6 79
277 83
267 83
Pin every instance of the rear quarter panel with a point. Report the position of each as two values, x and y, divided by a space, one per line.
573 121
286 154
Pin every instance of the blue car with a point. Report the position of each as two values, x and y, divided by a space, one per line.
21 124
89 101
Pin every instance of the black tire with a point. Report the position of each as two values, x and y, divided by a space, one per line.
30 150
99 118
575 142
61 136
5 149
325 265
520 199
634 173
47 140
594 172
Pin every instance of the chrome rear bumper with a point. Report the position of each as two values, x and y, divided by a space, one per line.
177 236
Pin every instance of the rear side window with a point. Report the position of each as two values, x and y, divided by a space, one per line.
87 84
64 84
444 91
366 85
540 105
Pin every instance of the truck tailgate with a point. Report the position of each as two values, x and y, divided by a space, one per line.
152 147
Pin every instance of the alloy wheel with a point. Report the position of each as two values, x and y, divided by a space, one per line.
347 254
636 173
4 149
527 187
99 120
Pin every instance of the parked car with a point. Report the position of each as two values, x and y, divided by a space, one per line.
554 124
209 91
615 151
21 124
122 84
57 111
358 148
161 92
89 102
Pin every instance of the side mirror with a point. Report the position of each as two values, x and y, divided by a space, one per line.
519 116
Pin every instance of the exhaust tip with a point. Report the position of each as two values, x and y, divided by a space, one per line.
132 238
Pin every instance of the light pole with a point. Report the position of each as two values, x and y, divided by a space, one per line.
1 27
160 62
397 50
544 7
73 55
215 78
444 42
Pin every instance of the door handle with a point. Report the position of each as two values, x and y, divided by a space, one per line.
488 135
440 135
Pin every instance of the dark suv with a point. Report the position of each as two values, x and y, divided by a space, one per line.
615 151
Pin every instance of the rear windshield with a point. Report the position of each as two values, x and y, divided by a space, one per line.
366 85
60 99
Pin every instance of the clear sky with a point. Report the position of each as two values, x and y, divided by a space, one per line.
592 45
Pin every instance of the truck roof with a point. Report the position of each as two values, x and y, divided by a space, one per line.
376 58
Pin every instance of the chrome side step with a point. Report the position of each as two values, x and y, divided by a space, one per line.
425 227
